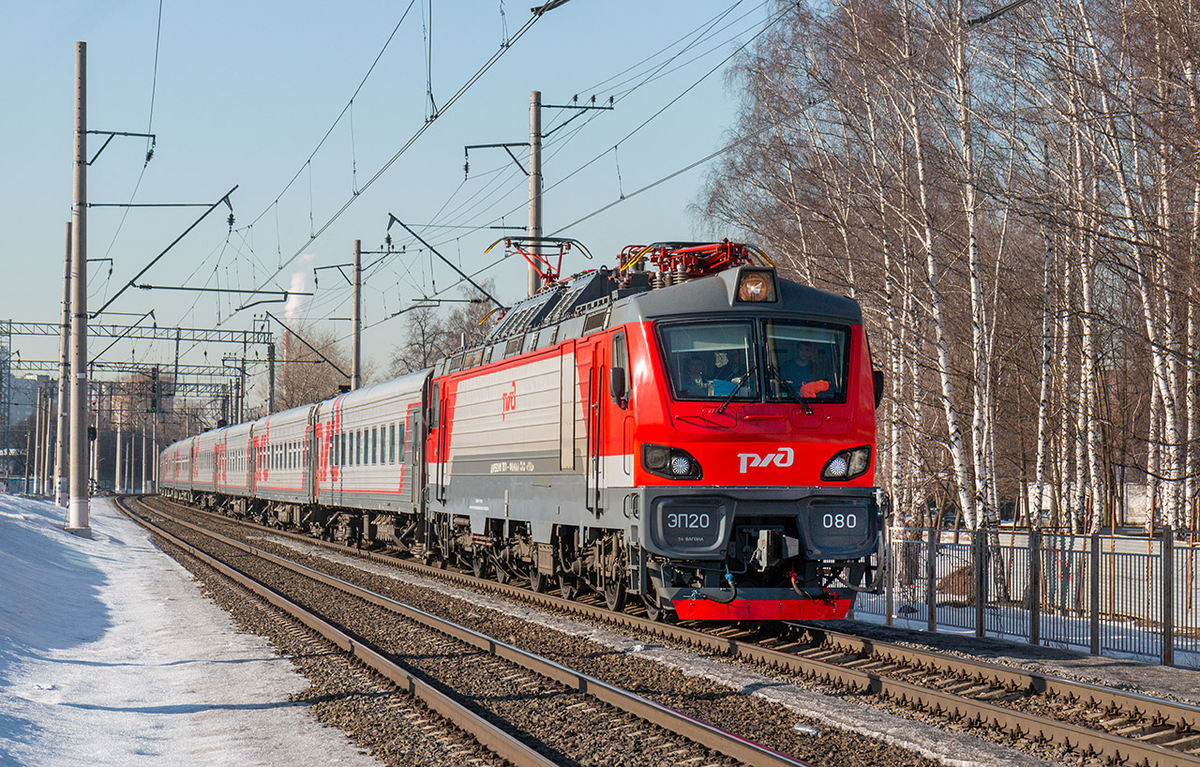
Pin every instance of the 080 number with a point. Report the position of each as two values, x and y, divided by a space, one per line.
839 521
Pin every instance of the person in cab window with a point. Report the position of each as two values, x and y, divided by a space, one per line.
694 382
803 370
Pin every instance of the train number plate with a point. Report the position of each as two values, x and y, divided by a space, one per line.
691 525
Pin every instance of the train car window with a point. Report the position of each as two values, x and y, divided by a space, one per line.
392 443
806 361
374 445
334 441
403 442
711 360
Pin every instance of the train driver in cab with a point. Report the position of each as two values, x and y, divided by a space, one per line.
694 382
801 367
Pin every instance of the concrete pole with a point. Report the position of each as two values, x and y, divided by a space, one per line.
270 378
154 454
117 467
64 384
241 390
535 182
78 503
356 364
48 445
39 434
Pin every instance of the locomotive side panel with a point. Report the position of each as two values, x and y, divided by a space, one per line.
509 434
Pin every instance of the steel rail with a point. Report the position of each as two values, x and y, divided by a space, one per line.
487 734
1180 715
699 732
1073 737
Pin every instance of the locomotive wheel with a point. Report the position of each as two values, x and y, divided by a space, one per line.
614 595
567 586
479 565
538 581
654 610
500 574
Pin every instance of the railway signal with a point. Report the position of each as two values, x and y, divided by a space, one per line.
152 407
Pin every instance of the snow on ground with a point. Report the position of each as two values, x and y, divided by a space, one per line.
109 656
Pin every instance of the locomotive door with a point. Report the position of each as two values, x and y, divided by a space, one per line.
593 463
437 430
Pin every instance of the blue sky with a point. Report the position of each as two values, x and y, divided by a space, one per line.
243 95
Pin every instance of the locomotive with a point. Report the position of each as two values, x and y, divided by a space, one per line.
688 429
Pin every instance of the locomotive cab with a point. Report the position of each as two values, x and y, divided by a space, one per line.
755 444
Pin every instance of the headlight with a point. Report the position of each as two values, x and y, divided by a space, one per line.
756 285
670 462
847 464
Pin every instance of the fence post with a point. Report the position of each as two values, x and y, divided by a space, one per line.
980 579
1095 594
931 579
889 587
1035 585
1167 559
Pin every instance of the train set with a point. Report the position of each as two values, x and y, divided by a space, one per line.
689 429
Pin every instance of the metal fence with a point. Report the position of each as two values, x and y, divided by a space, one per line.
1104 594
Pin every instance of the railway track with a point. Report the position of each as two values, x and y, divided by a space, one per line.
1108 724
610 714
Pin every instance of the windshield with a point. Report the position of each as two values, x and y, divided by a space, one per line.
810 358
707 361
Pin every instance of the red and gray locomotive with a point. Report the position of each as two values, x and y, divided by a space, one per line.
688 428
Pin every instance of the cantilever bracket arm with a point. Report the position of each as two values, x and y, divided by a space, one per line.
393 220
300 338
224 200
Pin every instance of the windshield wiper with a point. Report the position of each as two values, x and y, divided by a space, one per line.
787 385
736 389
